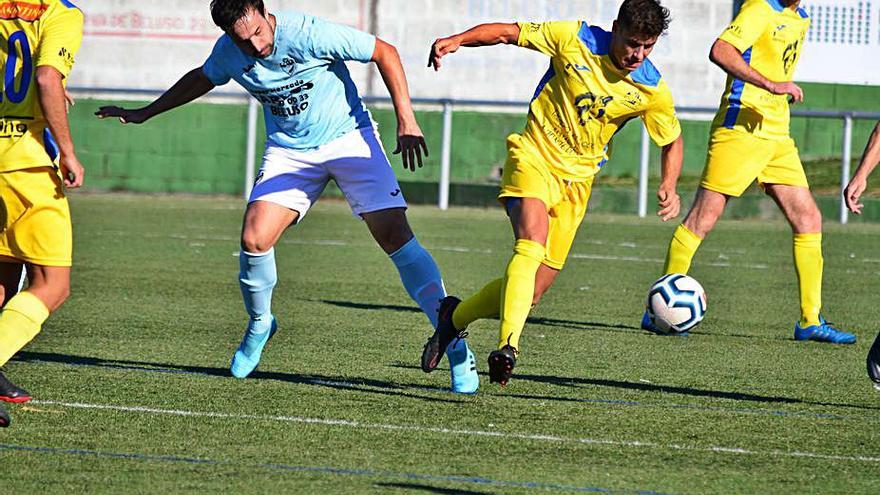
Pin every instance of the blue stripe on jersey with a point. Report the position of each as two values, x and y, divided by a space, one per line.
50 145
803 13
777 5
69 4
544 80
736 92
597 40
646 74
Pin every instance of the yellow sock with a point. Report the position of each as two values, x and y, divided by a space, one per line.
484 304
682 248
20 322
518 289
808 265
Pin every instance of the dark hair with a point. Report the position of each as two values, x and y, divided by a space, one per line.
643 17
226 13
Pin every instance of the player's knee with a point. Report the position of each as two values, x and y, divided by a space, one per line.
252 242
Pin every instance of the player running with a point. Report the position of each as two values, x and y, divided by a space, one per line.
597 82
318 129
852 193
750 140
37 161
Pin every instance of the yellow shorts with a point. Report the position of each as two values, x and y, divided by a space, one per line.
737 158
35 218
566 203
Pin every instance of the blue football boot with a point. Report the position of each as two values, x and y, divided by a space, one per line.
463 367
823 332
247 356
648 325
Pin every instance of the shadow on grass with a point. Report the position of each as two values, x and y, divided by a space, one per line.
572 382
427 488
550 322
367 385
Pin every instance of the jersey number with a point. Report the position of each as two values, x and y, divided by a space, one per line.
27 68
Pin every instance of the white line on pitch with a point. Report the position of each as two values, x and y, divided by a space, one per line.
446 431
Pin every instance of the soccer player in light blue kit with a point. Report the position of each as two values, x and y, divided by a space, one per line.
317 129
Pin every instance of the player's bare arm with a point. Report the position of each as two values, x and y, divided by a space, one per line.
410 140
726 56
54 104
859 182
668 201
482 35
191 86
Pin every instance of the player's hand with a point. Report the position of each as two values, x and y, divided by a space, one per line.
668 203
68 101
794 92
72 171
440 48
853 193
410 144
124 115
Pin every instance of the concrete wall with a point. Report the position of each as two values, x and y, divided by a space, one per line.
147 45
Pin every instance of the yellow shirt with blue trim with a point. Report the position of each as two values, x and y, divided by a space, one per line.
770 37
34 33
584 99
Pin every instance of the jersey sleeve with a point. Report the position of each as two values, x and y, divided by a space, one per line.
547 37
749 25
337 42
660 118
60 38
213 68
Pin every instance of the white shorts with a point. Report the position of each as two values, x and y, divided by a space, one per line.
356 161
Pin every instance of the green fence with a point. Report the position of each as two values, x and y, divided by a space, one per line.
200 148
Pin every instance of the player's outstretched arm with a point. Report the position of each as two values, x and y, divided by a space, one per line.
191 86
726 56
668 201
859 182
482 35
410 141
53 101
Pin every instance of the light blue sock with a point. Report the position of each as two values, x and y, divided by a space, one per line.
420 277
257 278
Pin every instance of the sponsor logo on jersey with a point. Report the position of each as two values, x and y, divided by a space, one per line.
24 11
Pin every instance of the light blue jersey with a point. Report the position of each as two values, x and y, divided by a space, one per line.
307 93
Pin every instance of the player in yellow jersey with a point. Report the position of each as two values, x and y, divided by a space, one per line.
853 192
37 161
596 83
750 140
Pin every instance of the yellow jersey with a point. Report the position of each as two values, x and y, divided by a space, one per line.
584 99
34 33
770 37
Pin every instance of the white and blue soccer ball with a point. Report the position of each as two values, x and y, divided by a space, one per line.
676 303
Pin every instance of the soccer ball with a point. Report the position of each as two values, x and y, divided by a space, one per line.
676 303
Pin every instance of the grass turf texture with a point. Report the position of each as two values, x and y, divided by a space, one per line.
594 404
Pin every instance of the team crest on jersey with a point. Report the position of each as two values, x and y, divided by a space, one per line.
592 105
633 99
288 65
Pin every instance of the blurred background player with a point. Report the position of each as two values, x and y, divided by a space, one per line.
35 231
750 140
853 193
596 83
318 129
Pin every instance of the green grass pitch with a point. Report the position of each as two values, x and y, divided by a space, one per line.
132 393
